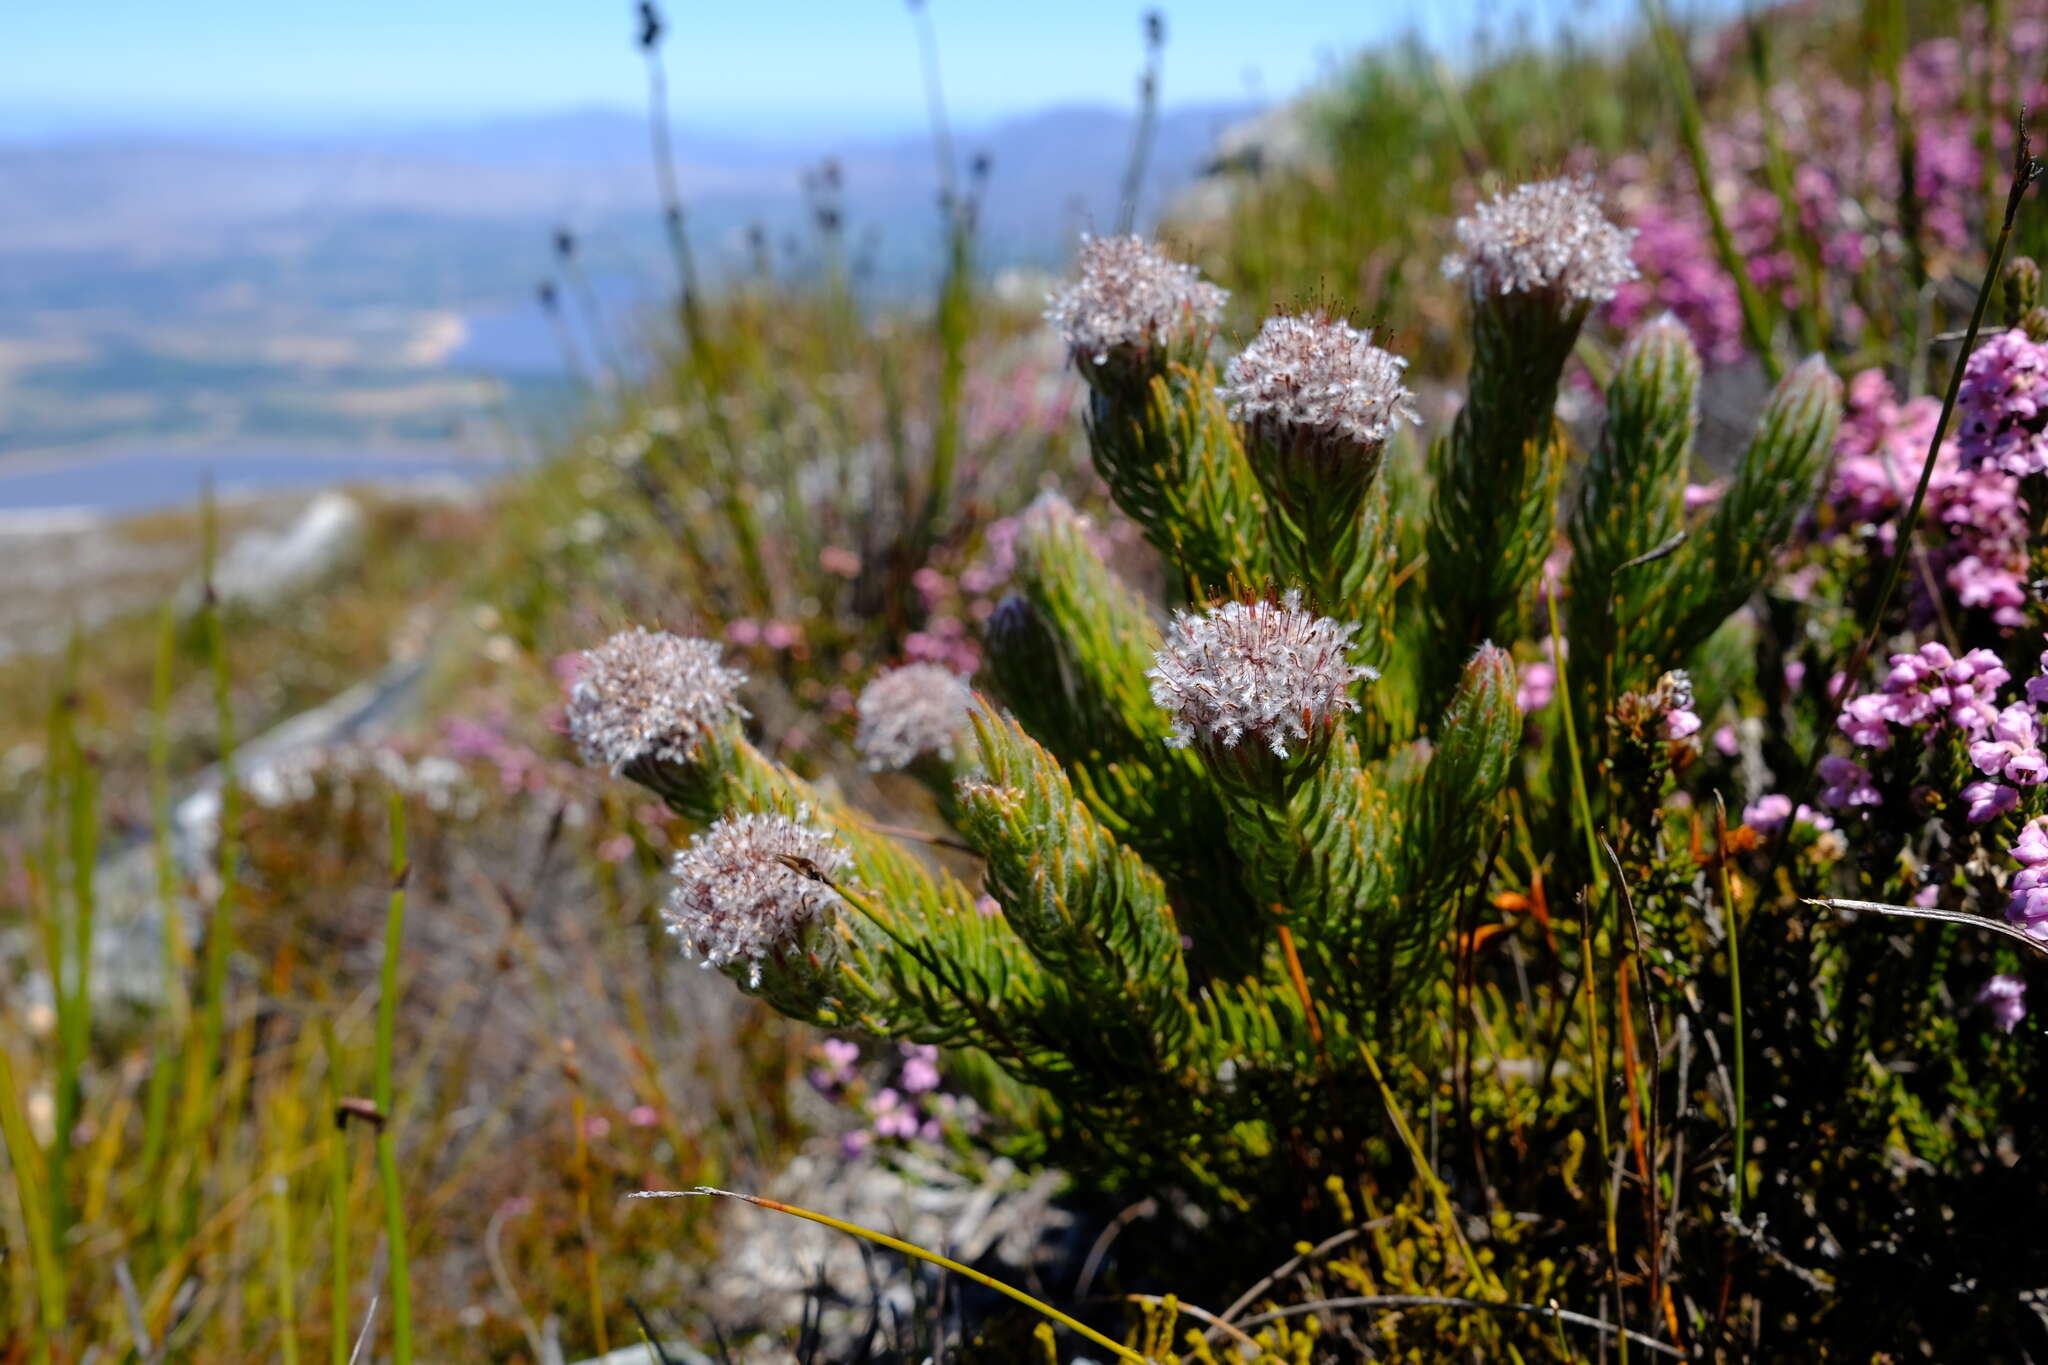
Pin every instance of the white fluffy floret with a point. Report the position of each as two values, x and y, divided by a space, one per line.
909 711
1319 374
735 900
1267 670
1130 295
1546 236
649 694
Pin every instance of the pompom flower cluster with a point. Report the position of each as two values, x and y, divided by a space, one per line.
650 695
1321 376
1130 295
736 900
1546 237
1265 671
908 712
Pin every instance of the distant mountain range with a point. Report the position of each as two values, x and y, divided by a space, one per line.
167 195
260 286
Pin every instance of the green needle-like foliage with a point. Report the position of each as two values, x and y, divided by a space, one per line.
1068 652
1227 876
1173 463
1771 489
1631 503
909 956
1497 476
1089 909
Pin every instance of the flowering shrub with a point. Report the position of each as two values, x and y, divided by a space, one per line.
1232 863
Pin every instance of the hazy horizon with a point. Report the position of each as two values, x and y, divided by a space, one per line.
790 65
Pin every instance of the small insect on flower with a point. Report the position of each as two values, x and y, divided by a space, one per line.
648 694
1549 237
751 885
1130 296
909 712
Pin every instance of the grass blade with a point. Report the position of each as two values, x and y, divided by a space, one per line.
910 1249
387 1138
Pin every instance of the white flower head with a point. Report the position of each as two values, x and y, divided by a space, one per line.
1547 237
1322 375
649 694
1263 670
910 711
1129 294
736 900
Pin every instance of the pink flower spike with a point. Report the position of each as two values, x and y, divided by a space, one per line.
1848 784
2031 848
1988 800
920 1076
2005 995
1768 814
1863 720
1537 687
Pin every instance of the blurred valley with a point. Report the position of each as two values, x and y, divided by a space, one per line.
260 299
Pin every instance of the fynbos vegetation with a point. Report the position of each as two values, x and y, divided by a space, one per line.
1515 831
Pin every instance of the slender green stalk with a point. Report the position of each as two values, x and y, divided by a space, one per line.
287 1299
387 1138
1596 1051
1741 1096
581 1173
177 1009
29 1173
76 1033
63 763
665 179
1905 136
1756 320
1985 89
914 1251
1470 147
1446 1214
954 321
1148 121
220 925
338 1228
1809 315
935 100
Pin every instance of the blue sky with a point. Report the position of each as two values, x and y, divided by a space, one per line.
771 62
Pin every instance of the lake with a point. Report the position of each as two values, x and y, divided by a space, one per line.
128 482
